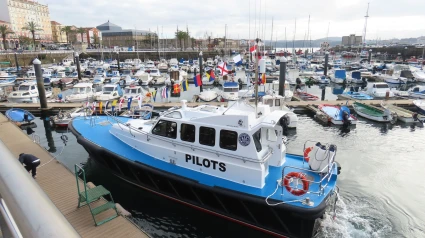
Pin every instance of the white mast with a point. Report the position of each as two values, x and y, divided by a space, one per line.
365 24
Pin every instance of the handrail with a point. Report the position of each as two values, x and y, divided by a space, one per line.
119 122
34 213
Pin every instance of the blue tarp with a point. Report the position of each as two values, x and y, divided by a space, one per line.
356 75
340 73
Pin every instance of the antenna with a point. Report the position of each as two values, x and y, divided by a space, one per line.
327 34
365 24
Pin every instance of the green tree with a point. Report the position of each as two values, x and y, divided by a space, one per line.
4 31
24 41
68 30
33 28
181 35
96 40
81 31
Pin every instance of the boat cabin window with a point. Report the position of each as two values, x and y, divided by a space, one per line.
207 136
231 90
277 102
33 87
24 88
275 86
380 86
416 89
108 89
187 132
271 135
257 140
166 129
77 90
176 115
228 140
269 102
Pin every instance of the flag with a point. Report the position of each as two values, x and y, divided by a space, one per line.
263 79
185 85
212 75
176 88
197 80
94 107
100 107
164 92
120 104
106 105
222 66
130 99
237 59
253 48
114 104
87 104
154 95
208 75
139 101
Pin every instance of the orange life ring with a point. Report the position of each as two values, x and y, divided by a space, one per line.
306 152
298 175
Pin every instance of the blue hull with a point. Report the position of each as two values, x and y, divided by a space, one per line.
221 197
18 115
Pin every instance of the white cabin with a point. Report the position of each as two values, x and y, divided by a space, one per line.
109 93
379 90
81 92
27 92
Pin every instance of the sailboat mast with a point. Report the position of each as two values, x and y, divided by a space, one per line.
365 24
286 43
295 32
271 38
308 30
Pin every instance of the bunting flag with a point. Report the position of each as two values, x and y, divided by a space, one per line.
87 104
114 104
130 99
263 78
223 68
176 88
197 80
164 92
185 85
121 102
106 105
253 48
212 75
100 107
154 95
237 59
94 107
139 101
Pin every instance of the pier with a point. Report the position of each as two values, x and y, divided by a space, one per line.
60 186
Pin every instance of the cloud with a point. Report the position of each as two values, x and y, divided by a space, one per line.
388 18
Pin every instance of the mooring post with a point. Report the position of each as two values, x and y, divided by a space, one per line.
118 60
282 76
325 72
17 64
200 70
369 56
40 84
77 59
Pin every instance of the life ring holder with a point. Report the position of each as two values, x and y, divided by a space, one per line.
297 175
307 152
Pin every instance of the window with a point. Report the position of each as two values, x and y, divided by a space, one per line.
277 102
228 140
257 140
207 136
187 132
166 129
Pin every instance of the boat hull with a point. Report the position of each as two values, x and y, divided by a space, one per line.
252 211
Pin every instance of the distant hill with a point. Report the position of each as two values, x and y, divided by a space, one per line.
333 41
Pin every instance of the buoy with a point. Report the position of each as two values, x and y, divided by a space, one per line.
297 175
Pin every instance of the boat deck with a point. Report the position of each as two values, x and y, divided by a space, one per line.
60 186
100 135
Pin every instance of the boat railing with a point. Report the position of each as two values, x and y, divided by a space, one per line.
132 129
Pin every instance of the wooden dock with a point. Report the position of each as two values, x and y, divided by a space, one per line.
60 186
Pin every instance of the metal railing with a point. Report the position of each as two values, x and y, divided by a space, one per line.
25 208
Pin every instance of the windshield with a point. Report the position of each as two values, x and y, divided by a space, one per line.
108 89
24 88
229 90
132 91
77 90
381 86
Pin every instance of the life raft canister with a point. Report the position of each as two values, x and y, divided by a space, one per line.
307 152
295 191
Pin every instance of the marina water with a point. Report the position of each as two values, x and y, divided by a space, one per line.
381 184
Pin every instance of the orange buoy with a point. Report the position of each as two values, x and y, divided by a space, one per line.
297 192
306 152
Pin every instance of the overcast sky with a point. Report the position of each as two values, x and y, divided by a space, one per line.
388 18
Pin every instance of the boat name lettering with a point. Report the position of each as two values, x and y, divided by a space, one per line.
206 163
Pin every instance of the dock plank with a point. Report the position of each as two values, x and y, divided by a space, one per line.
60 186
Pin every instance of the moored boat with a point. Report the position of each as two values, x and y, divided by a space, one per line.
420 104
230 162
337 115
64 117
307 97
358 95
208 96
374 113
19 115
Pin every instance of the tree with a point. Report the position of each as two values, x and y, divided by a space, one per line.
24 41
95 39
193 43
81 31
181 35
4 31
68 30
33 28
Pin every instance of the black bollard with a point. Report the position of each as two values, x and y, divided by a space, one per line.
40 84
118 60
77 59
369 57
17 64
325 72
200 70
282 76
323 92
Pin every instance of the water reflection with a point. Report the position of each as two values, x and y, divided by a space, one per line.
48 132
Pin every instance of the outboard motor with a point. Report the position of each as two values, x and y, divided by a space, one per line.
240 83
26 116
298 81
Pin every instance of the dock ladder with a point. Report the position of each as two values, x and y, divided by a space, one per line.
90 195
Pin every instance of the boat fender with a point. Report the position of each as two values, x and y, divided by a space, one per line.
60 115
295 191
307 152
338 167
319 156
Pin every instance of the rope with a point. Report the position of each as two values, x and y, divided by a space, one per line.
64 139
275 204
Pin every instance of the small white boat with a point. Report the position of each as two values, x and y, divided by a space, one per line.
420 104
110 92
339 76
99 79
64 117
67 62
30 74
145 79
208 96
274 90
130 81
230 92
27 92
417 91
155 73
374 113
139 72
379 90
47 73
7 79
81 92
163 65
150 65
419 75
134 91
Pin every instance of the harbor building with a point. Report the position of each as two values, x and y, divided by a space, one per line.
352 40
57 35
11 39
114 35
19 12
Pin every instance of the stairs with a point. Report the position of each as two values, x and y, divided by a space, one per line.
89 195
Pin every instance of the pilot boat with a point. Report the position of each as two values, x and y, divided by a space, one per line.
229 162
